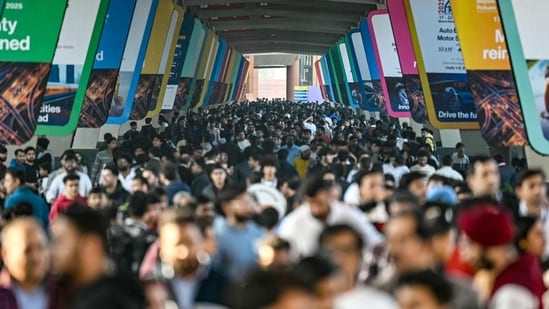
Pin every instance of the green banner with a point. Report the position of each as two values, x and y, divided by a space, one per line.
72 65
26 53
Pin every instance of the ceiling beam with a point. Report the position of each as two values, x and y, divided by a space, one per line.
284 24
319 15
222 2
239 44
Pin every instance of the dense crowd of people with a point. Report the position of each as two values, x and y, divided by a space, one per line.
271 204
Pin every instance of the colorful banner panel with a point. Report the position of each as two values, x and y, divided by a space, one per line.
208 53
375 74
320 79
132 61
407 59
367 99
345 75
179 58
445 84
334 73
214 86
396 97
236 71
166 63
209 70
489 70
328 78
102 83
150 80
26 53
182 97
72 66
528 44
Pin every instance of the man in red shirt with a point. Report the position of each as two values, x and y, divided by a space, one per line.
63 201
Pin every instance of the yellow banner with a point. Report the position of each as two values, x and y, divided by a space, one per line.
480 34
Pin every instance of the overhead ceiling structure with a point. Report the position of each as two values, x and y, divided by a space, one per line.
285 26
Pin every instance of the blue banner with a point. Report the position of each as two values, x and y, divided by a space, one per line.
132 61
102 83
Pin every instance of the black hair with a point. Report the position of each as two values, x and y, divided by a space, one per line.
70 177
360 176
459 145
137 205
528 173
407 179
169 170
338 229
155 151
313 269
87 221
313 185
415 214
229 193
471 170
96 190
18 174
30 148
263 288
18 150
402 196
111 167
69 155
523 226
45 166
269 161
423 153
269 217
436 283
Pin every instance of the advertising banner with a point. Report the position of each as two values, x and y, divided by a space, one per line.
489 71
205 57
26 53
375 75
179 58
328 78
72 66
213 83
367 101
182 97
104 75
394 91
407 59
147 91
236 71
132 61
166 61
442 72
335 71
209 71
352 86
528 44
243 79
320 79
229 75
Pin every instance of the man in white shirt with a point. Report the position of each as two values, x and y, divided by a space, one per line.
460 161
447 171
422 165
69 165
126 172
243 142
303 226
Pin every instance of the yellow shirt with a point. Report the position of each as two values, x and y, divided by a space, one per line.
302 166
